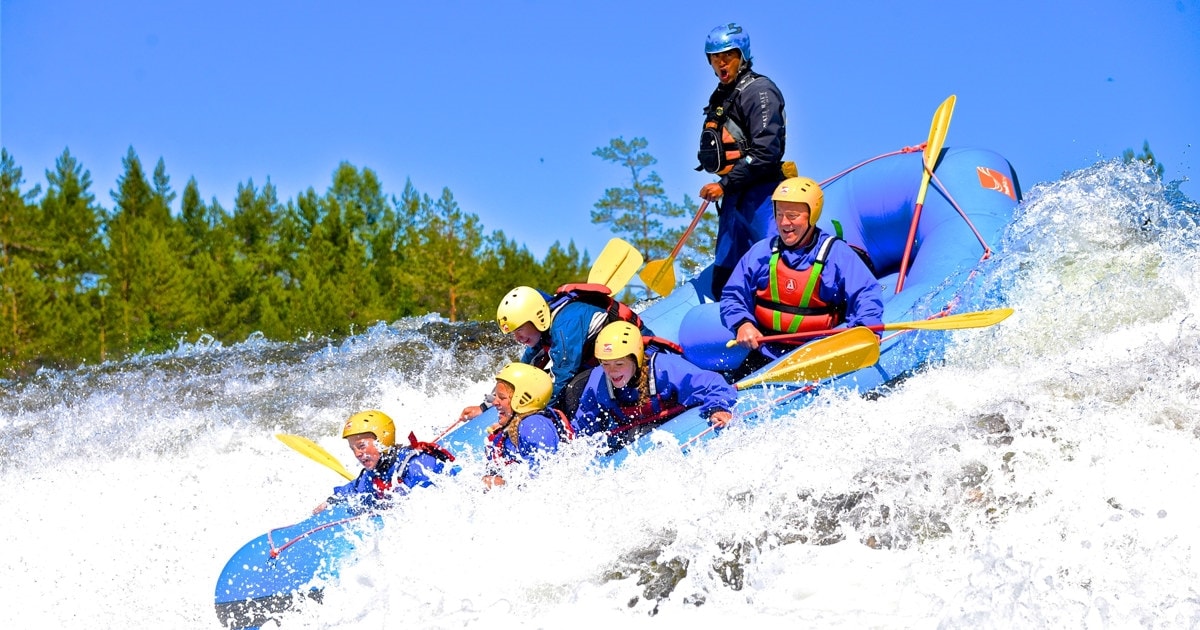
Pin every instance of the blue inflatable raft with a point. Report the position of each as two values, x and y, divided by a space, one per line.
969 203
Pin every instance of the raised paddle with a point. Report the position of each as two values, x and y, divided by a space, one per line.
659 275
313 451
846 351
933 148
977 319
615 265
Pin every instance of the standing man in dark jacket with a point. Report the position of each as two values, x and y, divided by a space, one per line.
742 142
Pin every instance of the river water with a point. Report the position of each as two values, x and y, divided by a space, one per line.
1044 475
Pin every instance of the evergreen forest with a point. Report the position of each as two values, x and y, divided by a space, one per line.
85 283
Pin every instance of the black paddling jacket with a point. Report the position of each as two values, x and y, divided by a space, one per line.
757 110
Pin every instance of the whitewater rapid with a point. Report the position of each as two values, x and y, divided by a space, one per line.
1045 475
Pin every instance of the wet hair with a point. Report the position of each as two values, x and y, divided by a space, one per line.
512 427
643 376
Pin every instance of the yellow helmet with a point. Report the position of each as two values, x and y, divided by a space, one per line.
372 421
802 190
523 304
531 386
620 339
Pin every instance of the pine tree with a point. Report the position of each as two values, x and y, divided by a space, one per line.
505 264
637 212
72 227
447 274
561 266
209 258
258 302
23 296
149 303
352 209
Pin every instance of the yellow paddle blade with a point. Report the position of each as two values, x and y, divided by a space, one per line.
659 275
615 265
937 138
847 351
313 451
977 319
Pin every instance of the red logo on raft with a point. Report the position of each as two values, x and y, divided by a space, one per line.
995 180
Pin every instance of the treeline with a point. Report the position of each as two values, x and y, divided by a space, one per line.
85 283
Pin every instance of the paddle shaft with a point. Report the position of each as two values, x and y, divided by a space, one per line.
976 319
849 350
688 232
665 268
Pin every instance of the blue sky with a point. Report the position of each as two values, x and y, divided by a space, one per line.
503 102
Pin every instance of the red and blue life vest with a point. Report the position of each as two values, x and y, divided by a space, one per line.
496 434
791 301
658 407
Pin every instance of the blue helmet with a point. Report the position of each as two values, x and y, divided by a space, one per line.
727 37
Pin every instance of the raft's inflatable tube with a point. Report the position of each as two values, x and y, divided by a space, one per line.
703 337
265 576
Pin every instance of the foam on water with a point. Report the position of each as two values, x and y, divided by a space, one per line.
1044 475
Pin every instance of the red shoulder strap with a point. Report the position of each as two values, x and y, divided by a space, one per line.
585 286
430 448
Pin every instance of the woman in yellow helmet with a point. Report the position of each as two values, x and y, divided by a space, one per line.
643 382
388 469
528 430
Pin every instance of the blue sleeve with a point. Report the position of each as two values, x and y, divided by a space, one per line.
854 284
694 386
590 416
359 485
568 333
420 471
737 298
538 437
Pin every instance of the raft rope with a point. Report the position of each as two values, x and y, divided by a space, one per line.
987 251
275 551
447 431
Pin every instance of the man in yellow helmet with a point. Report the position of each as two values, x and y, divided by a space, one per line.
804 279
389 469
643 382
